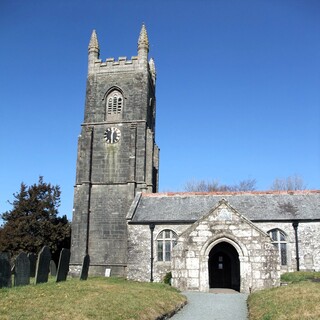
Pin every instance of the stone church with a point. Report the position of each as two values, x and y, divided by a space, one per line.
238 240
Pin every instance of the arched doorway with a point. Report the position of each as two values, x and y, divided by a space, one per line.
224 267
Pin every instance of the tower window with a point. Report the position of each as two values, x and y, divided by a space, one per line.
279 240
166 240
114 103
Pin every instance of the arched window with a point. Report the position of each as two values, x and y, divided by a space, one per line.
279 240
114 103
166 240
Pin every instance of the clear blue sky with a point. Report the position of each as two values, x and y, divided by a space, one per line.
238 87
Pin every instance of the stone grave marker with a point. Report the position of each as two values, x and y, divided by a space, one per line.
53 268
63 266
43 263
5 270
33 263
85 267
22 270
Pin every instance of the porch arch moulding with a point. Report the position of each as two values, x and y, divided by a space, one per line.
245 268
213 241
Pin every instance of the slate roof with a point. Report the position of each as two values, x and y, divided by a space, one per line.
255 206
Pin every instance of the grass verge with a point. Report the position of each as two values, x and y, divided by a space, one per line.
96 298
297 300
300 276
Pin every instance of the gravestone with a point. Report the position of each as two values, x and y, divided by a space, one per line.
5 270
22 270
43 263
53 268
63 266
85 268
33 263
107 272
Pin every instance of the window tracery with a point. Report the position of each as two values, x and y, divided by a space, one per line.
166 240
114 103
279 239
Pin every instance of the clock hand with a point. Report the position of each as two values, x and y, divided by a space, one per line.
111 138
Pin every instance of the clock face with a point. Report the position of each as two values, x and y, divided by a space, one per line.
112 135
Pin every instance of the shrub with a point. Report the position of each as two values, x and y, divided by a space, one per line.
167 278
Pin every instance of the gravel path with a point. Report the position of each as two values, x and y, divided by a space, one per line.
213 306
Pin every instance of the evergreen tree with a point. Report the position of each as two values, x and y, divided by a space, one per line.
34 222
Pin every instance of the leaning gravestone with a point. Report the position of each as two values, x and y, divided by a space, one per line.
63 266
22 270
33 264
43 263
53 268
5 270
85 268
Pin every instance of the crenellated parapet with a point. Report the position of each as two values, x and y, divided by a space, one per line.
139 62
122 64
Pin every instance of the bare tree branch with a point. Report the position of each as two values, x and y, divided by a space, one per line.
290 183
215 186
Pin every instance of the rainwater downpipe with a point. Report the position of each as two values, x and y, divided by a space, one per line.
151 226
295 224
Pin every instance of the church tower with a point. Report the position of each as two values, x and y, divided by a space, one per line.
117 155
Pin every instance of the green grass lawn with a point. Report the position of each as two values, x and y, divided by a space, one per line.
299 300
96 298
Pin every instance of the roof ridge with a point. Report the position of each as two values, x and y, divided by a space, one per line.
221 193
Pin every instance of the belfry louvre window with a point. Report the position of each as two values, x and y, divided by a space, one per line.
114 103
166 240
279 240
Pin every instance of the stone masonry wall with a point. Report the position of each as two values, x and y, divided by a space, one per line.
308 240
110 174
139 252
258 257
